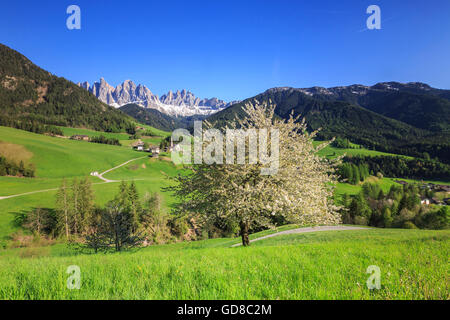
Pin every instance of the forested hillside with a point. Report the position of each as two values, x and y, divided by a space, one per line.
152 117
157 119
343 119
32 98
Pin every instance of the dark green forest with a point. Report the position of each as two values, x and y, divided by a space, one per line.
399 208
410 168
11 168
342 119
32 99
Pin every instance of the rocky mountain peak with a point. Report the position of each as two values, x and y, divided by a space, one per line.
180 103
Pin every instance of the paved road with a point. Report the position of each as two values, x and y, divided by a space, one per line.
100 176
304 230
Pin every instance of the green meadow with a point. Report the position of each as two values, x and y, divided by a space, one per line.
321 265
123 138
332 152
58 158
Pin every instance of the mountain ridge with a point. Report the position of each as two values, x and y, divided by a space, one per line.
414 103
179 103
32 98
341 116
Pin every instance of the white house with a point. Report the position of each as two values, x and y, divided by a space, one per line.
154 151
138 145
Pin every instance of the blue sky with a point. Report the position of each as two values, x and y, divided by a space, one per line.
234 49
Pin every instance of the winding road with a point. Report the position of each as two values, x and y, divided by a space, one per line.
304 230
99 175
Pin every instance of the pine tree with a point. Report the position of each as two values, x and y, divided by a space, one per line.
75 206
135 207
387 217
86 203
63 207
355 175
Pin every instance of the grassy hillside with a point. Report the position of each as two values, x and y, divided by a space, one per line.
123 138
58 158
68 132
331 152
322 265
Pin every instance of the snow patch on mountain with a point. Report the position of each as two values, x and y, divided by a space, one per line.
179 104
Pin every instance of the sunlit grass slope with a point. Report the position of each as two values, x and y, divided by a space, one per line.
322 265
58 158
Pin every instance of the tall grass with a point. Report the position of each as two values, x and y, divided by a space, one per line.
326 265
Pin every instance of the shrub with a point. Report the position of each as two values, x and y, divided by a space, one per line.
409 225
360 220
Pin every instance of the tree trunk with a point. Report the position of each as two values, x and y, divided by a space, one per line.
67 225
244 234
66 215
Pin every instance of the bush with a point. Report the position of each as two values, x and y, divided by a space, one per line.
409 225
360 220
439 219
102 139
10 168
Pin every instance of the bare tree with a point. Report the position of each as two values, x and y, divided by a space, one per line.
117 227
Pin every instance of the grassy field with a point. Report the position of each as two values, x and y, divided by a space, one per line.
331 152
68 132
58 158
123 138
322 265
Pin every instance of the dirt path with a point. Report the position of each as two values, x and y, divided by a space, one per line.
100 176
44 190
304 230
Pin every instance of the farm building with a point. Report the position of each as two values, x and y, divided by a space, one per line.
81 137
138 145
154 151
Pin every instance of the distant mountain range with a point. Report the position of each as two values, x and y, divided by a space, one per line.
405 118
414 103
179 104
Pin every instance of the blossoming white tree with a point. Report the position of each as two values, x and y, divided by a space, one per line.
301 191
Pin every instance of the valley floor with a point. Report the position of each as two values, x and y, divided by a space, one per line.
314 265
318 265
